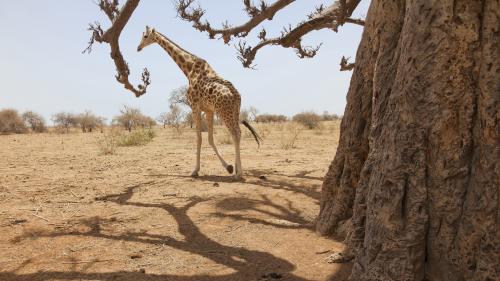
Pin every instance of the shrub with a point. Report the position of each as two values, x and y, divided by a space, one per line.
11 122
330 117
270 118
34 121
89 121
131 118
136 138
63 121
109 142
290 136
225 137
309 119
175 118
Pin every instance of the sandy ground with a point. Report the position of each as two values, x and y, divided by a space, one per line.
68 212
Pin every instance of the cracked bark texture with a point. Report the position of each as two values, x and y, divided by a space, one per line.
416 177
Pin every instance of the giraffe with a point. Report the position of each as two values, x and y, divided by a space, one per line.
208 93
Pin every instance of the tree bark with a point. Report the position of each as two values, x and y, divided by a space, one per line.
415 183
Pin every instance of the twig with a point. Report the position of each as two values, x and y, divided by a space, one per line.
41 217
77 262
72 193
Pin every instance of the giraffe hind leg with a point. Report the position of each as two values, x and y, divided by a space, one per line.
210 121
197 121
231 120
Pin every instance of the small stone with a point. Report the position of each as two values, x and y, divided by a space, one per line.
19 221
216 184
263 177
135 256
272 275
142 270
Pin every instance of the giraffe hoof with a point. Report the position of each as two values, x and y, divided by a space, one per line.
230 169
194 174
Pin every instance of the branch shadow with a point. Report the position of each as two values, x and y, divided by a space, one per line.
247 264
287 217
256 176
307 190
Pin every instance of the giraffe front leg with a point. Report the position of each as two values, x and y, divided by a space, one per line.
197 121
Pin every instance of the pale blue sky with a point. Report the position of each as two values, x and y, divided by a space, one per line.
42 68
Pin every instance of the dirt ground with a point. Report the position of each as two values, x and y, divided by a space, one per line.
68 212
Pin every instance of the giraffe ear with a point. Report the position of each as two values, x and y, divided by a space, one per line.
147 28
153 30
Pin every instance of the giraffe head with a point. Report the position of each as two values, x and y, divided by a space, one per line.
148 38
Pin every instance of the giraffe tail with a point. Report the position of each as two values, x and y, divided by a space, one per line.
256 136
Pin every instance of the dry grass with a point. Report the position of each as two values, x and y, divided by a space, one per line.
69 214
223 136
109 142
137 137
115 137
290 135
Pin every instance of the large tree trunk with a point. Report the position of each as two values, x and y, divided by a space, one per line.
416 178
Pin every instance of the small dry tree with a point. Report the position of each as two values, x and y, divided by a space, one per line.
129 118
63 121
88 121
34 121
11 122
308 119
175 117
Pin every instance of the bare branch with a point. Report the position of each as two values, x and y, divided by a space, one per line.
110 8
119 18
258 15
345 65
330 17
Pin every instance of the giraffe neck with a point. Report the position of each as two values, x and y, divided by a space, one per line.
187 62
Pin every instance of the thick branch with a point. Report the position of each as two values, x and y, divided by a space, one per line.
112 35
331 17
257 16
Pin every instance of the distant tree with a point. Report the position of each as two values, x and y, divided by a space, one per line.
88 121
11 122
329 117
146 121
253 112
309 119
270 118
163 119
179 96
245 114
64 121
188 119
34 121
129 118
175 117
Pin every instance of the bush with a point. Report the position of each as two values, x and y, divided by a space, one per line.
109 142
34 121
11 122
63 121
136 138
290 136
270 118
88 121
309 119
131 118
175 118
330 117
